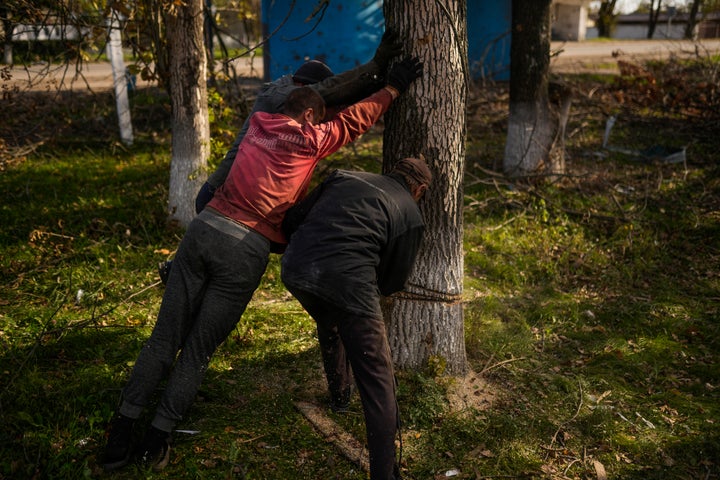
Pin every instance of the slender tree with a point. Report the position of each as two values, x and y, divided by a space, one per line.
426 322
695 7
74 25
188 92
653 15
8 25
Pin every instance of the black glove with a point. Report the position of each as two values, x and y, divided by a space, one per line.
205 194
388 49
402 74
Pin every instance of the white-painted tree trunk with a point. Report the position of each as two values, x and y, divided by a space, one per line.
529 139
115 54
534 142
188 95
8 53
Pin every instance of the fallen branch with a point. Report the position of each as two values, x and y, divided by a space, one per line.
346 443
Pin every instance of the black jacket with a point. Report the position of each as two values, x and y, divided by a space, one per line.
353 238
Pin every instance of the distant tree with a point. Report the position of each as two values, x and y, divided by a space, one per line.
425 322
167 37
653 15
8 25
695 7
75 26
148 37
220 37
174 49
607 18
535 130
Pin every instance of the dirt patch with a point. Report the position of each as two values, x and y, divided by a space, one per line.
471 392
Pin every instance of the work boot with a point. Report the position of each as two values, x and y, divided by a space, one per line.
164 271
340 403
154 451
119 437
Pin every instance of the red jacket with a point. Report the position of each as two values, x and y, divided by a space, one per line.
277 157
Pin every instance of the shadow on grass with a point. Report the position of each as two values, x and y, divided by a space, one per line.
55 410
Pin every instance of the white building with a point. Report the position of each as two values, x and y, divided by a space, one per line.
669 26
569 19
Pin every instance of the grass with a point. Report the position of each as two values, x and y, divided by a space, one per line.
591 309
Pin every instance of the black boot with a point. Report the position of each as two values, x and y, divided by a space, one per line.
340 402
117 449
154 451
164 271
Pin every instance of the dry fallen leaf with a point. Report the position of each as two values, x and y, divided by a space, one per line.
599 470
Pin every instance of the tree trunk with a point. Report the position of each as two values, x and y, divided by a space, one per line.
653 17
425 323
190 123
114 52
8 27
532 125
606 18
692 22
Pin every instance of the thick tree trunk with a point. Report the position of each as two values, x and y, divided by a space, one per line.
188 93
532 125
426 321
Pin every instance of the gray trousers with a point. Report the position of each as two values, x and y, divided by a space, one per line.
217 268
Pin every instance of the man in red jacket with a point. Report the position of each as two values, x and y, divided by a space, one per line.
225 251
337 90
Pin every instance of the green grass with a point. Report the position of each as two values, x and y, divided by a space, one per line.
591 311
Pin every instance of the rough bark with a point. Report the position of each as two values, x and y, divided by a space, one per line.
426 321
188 93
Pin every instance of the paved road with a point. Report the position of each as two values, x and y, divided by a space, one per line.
569 57
96 75
602 55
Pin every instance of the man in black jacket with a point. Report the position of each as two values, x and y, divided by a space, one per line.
352 240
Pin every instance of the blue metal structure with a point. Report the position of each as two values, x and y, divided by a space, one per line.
488 25
345 33
342 33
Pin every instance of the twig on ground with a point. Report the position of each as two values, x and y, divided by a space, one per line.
499 364
571 419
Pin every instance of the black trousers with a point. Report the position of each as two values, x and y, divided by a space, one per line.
351 340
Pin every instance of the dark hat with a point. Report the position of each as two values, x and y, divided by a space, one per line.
312 72
415 169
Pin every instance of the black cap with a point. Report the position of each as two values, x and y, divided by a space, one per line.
312 72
